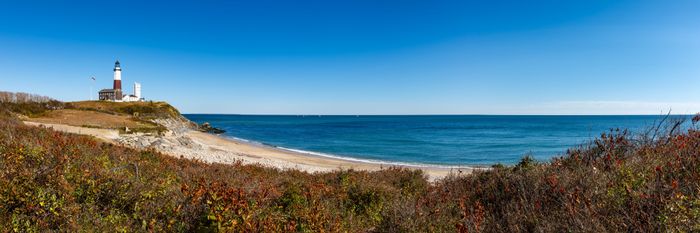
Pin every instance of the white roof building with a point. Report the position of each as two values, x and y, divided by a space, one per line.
136 96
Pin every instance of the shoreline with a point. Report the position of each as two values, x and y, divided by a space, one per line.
210 148
317 163
351 159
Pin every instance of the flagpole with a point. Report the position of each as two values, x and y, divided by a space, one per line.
93 83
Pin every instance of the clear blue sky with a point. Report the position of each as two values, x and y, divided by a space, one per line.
363 57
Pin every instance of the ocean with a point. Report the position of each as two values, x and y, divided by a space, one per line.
443 140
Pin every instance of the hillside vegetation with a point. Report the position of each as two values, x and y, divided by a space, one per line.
617 183
28 104
131 116
93 119
141 110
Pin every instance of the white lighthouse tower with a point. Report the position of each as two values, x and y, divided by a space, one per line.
117 72
117 81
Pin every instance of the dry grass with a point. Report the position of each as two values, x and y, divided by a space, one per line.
137 116
93 119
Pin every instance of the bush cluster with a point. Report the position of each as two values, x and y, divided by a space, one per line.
56 181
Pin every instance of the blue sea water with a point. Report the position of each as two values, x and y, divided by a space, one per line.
437 140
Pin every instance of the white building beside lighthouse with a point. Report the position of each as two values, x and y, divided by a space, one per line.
115 94
136 96
137 90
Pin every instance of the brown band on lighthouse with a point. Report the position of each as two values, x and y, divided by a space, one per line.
117 84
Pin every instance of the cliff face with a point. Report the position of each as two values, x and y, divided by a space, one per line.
172 126
176 125
173 137
170 118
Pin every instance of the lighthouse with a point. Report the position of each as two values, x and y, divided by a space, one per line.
115 94
117 81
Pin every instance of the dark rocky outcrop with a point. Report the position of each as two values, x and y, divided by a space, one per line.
207 128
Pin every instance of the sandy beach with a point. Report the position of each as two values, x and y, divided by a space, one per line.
190 144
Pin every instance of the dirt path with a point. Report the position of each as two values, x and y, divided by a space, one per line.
107 135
